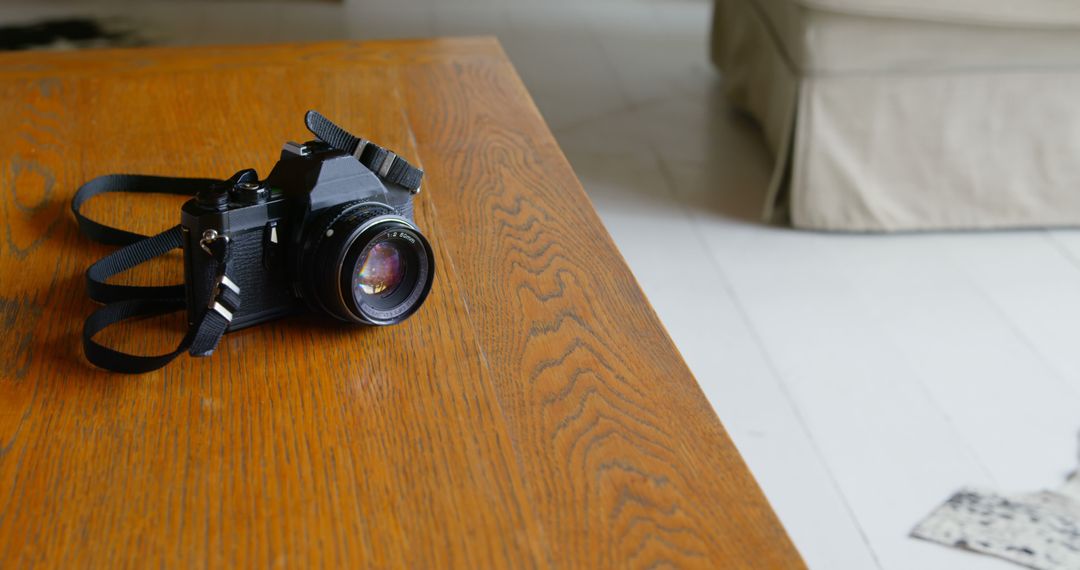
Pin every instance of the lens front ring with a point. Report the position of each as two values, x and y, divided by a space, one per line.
346 246
413 273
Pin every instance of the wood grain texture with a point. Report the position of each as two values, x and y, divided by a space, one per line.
533 414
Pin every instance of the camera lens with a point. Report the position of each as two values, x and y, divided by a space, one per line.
366 264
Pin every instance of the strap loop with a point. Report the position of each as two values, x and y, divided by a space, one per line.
104 357
133 183
129 301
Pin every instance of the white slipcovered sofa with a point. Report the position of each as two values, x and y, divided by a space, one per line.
894 115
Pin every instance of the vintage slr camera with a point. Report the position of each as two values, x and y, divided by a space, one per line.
322 231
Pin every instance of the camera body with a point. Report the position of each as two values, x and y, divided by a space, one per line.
322 231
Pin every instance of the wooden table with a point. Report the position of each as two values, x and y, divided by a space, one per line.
534 413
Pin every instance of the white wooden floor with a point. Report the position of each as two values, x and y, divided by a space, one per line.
863 378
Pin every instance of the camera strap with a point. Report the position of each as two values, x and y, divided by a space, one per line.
124 302
383 162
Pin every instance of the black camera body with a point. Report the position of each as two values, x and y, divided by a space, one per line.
321 232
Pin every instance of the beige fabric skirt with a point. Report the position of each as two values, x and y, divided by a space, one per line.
918 121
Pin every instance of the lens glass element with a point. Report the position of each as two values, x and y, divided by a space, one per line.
381 270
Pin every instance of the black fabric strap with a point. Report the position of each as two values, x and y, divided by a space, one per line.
383 162
139 247
104 357
130 183
224 301
128 257
128 301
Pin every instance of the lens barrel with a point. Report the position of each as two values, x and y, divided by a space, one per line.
365 264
